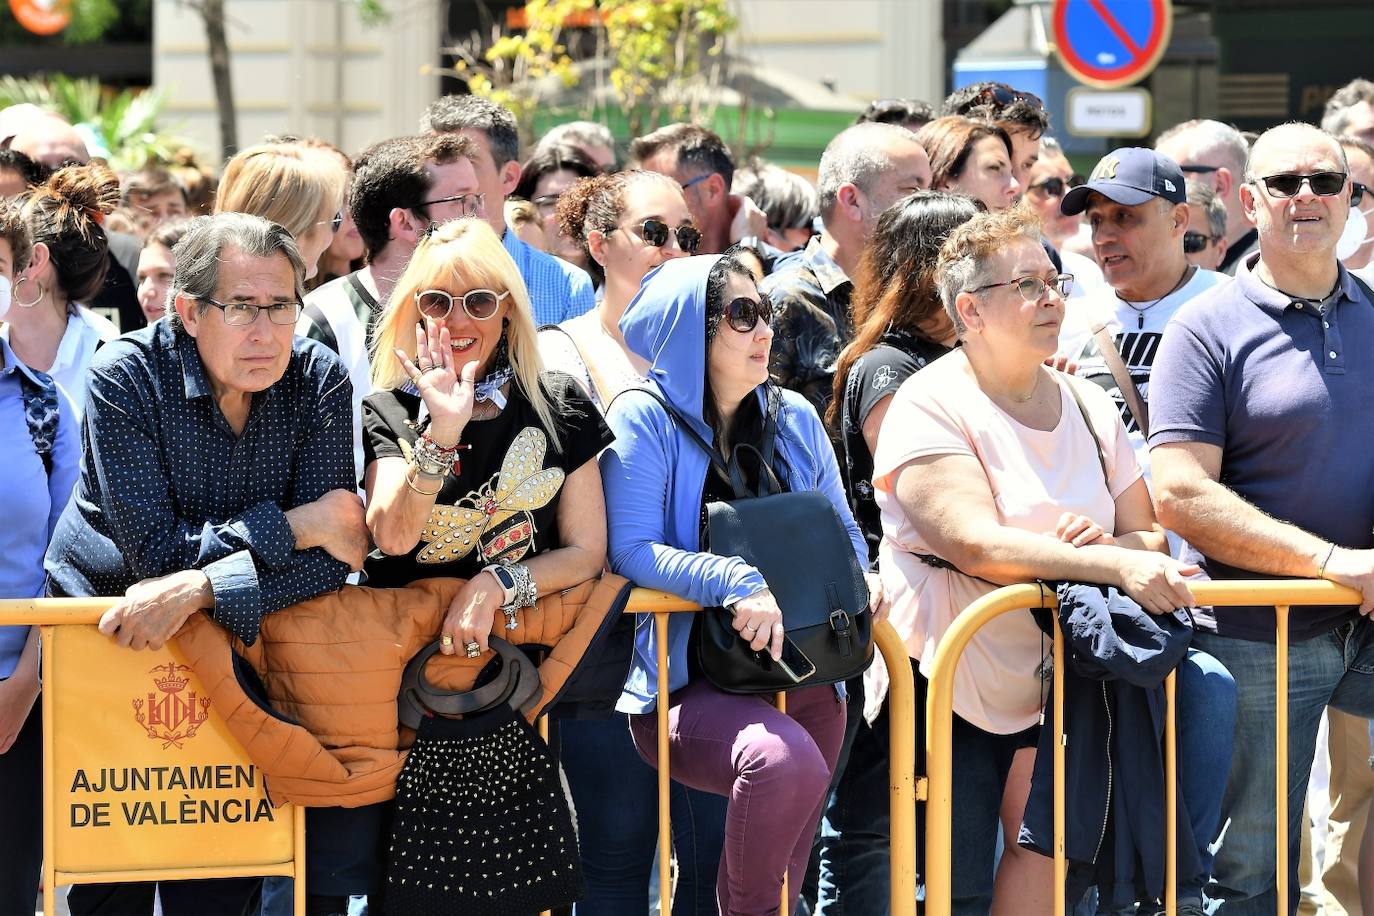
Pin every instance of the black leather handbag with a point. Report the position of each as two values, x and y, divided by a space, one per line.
801 546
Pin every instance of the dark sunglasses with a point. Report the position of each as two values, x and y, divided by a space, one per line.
655 233
1193 242
480 304
1002 96
1055 187
744 313
1357 193
1198 169
1323 184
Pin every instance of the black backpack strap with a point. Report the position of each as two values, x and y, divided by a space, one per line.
676 416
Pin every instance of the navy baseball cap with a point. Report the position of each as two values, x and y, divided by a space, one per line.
1129 176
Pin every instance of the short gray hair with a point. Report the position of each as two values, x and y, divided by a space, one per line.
964 255
201 249
578 133
1336 118
856 157
1207 136
1202 195
1050 148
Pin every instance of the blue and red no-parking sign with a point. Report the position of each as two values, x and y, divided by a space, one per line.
1111 43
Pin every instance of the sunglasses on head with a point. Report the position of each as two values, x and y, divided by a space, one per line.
479 304
1287 184
655 232
1193 242
743 314
1055 187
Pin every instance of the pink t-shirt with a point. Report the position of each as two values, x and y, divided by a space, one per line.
1035 476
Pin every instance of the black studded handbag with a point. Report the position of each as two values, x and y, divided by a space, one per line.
482 824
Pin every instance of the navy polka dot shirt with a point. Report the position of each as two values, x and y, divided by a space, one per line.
166 485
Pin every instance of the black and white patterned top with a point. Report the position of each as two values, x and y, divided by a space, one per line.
166 485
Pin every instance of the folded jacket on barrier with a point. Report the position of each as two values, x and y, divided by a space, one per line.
313 701
1117 657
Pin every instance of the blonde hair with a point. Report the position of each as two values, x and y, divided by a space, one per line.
461 255
289 184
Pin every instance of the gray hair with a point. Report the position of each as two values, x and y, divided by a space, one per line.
1295 127
787 198
1202 195
856 157
1208 136
453 113
1336 118
1050 148
964 255
577 133
201 249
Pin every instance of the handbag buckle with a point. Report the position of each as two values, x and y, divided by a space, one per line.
839 622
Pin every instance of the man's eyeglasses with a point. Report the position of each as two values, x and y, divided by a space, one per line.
469 204
743 314
1032 288
238 314
655 233
1287 184
697 180
1193 242
1055 187
479 304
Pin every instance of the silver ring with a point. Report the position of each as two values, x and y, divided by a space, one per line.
472 649
424 367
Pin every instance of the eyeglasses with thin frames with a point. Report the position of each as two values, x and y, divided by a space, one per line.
470 204
1033 288
479 304
239 314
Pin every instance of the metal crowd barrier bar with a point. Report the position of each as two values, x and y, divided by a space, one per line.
902 783
1281 594
61 619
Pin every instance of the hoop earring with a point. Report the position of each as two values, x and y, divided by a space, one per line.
14 294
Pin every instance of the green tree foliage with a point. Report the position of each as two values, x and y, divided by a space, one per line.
92 20
664 55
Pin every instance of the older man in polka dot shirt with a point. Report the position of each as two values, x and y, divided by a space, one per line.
216 471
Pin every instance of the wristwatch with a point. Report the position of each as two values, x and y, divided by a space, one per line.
506 578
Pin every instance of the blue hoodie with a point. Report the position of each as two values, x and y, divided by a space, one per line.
654 474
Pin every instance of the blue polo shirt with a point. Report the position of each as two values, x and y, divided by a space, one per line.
1287 392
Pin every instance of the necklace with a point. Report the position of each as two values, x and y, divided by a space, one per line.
1034 388
1140 310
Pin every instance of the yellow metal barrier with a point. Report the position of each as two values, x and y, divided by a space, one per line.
136 763
902 786
1279 594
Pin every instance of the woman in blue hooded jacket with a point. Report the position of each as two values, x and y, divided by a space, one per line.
701 324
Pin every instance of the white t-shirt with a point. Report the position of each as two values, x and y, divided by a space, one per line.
85 332
1087 276
1137 332
1034 476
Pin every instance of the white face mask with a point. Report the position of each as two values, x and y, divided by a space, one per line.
1355 234
4 296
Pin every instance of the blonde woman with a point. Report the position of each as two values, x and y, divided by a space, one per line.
301 188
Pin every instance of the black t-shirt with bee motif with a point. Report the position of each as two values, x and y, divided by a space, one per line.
503 502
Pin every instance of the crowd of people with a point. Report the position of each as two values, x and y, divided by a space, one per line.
454 355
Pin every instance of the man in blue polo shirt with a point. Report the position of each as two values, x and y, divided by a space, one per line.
1261 416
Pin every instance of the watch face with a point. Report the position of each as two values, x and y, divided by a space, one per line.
504 576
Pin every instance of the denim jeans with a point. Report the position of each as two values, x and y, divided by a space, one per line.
1332 669
1206 725
615 795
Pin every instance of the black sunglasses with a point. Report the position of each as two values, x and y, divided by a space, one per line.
1323 184
1198 169
1055 187
1357 193
1193 242
655 233
744 313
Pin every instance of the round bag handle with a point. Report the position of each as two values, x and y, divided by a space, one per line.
517 685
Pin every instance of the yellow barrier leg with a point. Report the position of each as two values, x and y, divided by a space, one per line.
1061 863
1281 755
901 717
49 790
299 884
1170 796
543 723
665 833
780 701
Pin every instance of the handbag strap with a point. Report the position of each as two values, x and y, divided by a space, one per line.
517 684
676 416
1122 376
602 390
1092 431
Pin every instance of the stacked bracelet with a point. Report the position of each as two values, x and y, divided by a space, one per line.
518 588
434 460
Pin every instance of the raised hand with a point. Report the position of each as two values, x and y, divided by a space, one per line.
447 393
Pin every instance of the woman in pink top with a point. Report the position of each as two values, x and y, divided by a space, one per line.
986 467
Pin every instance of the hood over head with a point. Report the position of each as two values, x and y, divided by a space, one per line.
665 323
